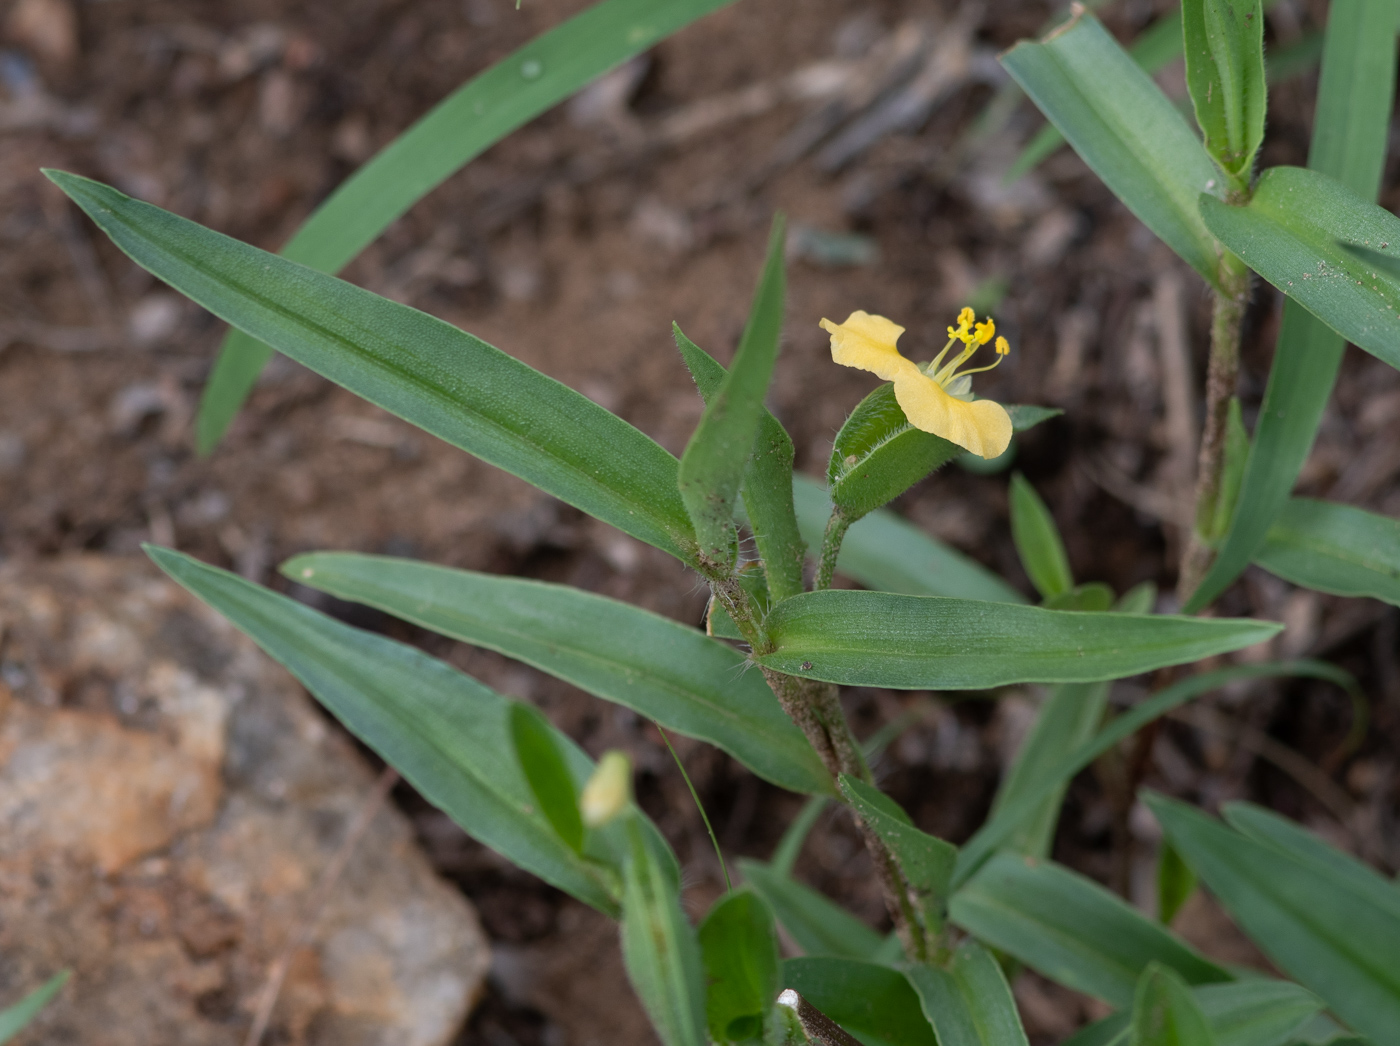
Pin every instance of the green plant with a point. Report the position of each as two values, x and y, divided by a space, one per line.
930 619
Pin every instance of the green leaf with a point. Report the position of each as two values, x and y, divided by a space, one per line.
767 488
1236 455
1093 596
1139 599
969 1003
1068 719
14 1017
1350 130
1314 925
1125 129
1012 813
884 552
1038 541
441 379
925 861
874 1003
819 926
1224 47
1335 548
659 947
445 732
1071 929
1265 826
924 642
713 465
1165 1013
659 668
878 455
794 837
740 949
1293 232
1255 1012
459 128
548 774
1176 882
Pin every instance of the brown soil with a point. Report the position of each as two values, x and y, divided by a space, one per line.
573 245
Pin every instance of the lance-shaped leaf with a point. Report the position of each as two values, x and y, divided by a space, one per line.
717 456
1165 1013
478 114
16 1016
873 1002
1335 548
742 969
878 455
884 552
1125 129
1224 42
547 771
1015 811
925 861
1350 130
767 488
441 379
1071 929
818 925
659 947
924 642
1294 232
1315 925
969 1003
658 667
1254 1012
449 735
1038 541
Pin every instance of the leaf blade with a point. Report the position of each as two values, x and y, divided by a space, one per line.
651 664
874 1002
969 1003
1334 548
428 372
739 946
1038 541
16 1016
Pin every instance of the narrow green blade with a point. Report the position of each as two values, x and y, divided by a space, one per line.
1335 548
739 945
1070 929
713 465
1010 815
1165 1013
767 488
657 667
924 642
1350 130
659 947
818 925
969 1003
1038 541
1311 923
1256 1012
446 733
459 128
14 1017
428 372
547 772
885 553
873 1002
1294 232
1125 129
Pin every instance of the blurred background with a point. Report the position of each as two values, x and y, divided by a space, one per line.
882 129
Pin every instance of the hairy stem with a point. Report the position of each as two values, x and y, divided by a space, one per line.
836 528
1221 379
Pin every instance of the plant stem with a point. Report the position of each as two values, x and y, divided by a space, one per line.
836 528
1221 379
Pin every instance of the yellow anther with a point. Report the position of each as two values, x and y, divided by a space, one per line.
1003 348
985 331
967 317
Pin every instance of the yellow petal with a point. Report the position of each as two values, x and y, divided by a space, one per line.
867 342
982 426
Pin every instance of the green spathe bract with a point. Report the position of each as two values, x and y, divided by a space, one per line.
968 1003
914 642
428 372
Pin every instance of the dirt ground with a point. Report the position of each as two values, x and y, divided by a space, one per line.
573 245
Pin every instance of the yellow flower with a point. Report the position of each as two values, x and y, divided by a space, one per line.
934 398
608 791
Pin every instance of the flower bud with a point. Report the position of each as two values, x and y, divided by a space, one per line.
608 791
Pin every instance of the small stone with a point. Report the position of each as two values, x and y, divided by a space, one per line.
48 29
